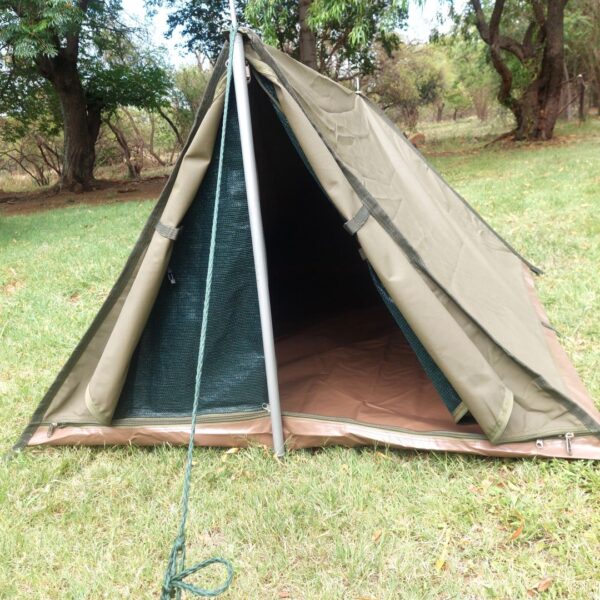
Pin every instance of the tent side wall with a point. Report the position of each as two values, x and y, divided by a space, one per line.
161 376
446 294
65 399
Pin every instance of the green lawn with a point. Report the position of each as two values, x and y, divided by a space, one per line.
328 524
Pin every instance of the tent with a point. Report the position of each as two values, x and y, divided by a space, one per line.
399 316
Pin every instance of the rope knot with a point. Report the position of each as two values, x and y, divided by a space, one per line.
175 583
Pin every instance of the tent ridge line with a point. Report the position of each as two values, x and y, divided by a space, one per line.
413 256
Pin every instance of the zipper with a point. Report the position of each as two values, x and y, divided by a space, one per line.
266 409
145 422
53 427
209 418
440 433
450 434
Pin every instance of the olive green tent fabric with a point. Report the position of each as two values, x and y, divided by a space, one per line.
67 400
461 289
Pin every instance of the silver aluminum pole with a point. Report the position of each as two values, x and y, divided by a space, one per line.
258 240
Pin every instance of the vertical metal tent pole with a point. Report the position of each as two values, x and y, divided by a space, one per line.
258 240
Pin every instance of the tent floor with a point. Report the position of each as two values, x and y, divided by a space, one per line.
350 380
358 366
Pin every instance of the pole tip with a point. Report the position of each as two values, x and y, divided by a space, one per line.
233 13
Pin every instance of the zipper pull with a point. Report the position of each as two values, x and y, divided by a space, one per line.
171 277
51 429
266 407
568 443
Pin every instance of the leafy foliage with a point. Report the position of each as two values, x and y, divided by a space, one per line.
202 23
407 80
189 85
33 28
58 47
471 81
138 80
345 30
582 33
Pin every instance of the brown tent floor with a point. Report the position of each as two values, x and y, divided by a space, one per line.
350 380
359 366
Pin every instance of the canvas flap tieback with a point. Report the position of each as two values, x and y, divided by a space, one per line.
105 386
171 233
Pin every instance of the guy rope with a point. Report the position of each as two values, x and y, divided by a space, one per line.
175 577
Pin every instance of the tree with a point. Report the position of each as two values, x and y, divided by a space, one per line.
88 58
407 80
203 24
189 85
471 79
526 45
336 37
29 126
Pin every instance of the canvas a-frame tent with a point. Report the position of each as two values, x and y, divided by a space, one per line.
400 317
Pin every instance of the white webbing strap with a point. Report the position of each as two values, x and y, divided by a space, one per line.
357 221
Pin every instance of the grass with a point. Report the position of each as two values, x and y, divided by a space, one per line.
329 524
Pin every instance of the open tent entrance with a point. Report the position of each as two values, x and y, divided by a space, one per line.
344 352
342 347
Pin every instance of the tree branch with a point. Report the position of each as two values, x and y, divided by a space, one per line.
490 33
538 12
172 125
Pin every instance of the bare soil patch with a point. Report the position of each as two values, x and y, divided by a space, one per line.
107 192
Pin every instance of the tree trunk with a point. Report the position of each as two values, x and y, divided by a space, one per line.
581 92
551 72
537 110
132 167
172 125
308 40
151 150
80 134
439 111
568 99
81 121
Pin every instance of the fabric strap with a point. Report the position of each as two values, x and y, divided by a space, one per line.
171 233
357 221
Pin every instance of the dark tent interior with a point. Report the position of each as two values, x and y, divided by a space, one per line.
342 353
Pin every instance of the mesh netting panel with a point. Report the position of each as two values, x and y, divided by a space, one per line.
161 378
444 388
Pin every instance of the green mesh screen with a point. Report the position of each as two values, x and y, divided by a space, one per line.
161 378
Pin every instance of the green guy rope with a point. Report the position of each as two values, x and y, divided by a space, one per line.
174 581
